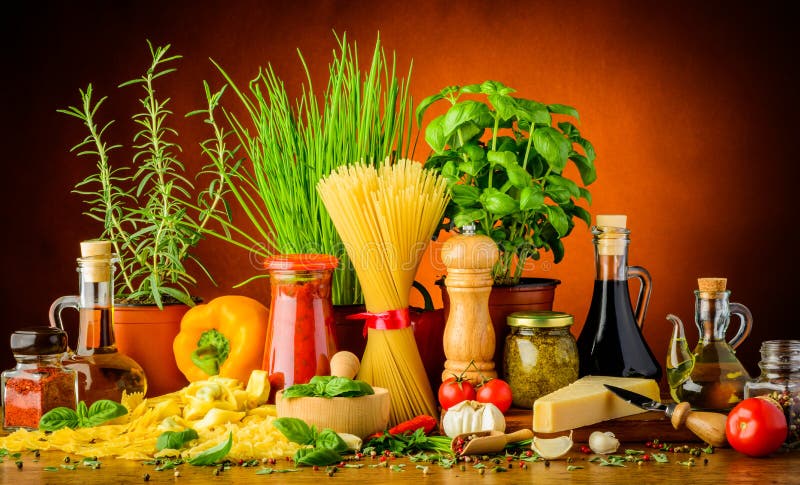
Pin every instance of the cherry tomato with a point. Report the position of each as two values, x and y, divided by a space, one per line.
454 390
497 392
756 426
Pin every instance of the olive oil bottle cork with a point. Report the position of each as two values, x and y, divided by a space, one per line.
613 240
96 256
711 286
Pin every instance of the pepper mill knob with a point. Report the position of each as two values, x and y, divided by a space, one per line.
468 334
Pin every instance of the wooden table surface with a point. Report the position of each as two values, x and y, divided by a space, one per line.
724 466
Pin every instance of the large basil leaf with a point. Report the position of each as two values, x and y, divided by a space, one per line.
300 390
585 167
568 184
552 145
213 455
518 176
503 158
461 113
341 386
558 219
504 105
58 418
434 134
102 411
295 430
472 167
465 195
321 382
563 109
318 457
330 440
495 87
531 198
497 202
175 440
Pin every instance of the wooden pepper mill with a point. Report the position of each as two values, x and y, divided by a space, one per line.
468 334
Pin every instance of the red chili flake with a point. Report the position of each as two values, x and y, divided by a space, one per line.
586 450
509 459
383 458
645 457
649 444
28 398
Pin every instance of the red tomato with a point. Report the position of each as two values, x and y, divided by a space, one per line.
453 391
497 392
756 426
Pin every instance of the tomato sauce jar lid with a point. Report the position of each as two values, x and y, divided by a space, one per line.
301 262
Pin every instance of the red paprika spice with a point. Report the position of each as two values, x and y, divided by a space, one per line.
39 382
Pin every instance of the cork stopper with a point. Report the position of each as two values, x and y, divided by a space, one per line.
613 241
712 285
612 220
95 260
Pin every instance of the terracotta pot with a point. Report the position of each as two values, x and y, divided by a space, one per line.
529 294
145 333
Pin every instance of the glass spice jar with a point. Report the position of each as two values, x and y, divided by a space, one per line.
300 334
39 382
780 380
540 354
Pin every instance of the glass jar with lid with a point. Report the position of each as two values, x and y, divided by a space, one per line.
780 380
540 354
39 382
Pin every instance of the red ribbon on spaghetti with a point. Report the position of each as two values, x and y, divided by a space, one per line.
388 320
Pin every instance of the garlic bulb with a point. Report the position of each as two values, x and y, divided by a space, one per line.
352 441
552 448
603 443
472 416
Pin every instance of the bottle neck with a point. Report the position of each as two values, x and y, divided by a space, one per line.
611 253
26 362
712 314
96 332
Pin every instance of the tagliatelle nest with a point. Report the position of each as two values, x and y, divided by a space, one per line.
213 408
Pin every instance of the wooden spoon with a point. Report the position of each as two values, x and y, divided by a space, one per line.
486 442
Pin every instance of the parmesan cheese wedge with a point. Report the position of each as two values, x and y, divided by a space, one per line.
586 402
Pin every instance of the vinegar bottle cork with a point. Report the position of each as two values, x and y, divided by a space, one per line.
468 334
96 254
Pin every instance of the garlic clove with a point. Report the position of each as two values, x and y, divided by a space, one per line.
603 443
551 448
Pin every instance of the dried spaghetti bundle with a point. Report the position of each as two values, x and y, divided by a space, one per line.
386 217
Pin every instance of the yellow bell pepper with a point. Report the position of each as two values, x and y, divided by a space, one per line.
224 337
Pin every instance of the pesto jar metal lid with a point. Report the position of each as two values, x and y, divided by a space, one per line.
539 319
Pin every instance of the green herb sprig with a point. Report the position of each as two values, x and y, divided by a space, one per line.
329 387
82 417
213 455
326 446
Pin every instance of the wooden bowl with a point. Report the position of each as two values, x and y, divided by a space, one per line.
361 416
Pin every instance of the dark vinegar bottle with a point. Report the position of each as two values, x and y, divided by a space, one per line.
611 341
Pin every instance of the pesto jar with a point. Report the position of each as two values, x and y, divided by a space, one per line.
540 355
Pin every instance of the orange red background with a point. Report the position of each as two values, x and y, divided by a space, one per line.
691 107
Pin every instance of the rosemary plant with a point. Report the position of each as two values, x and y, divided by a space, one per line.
289 147
144 206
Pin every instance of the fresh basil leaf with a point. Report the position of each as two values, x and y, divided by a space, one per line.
497 202
330 440
468 216
504 158
83 414
295 430
585 167
551 144
434 134
423 106
563 109
319 457
58 418
365 389
339 386
531 198
557 217
461 113
504 105
300 390
104 410
175 440
213 455
465 195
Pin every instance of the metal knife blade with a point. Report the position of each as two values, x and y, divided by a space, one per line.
637 399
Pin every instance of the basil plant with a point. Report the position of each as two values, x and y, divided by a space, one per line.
504 163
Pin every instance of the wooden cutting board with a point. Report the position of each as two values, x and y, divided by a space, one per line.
638 428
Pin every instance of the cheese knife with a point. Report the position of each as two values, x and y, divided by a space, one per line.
709 427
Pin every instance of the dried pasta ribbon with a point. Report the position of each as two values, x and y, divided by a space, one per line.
388 320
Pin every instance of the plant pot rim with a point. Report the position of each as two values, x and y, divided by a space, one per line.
119 304
524 283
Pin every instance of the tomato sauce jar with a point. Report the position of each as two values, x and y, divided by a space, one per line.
300 337
39 382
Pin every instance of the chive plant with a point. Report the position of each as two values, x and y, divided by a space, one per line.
289 147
